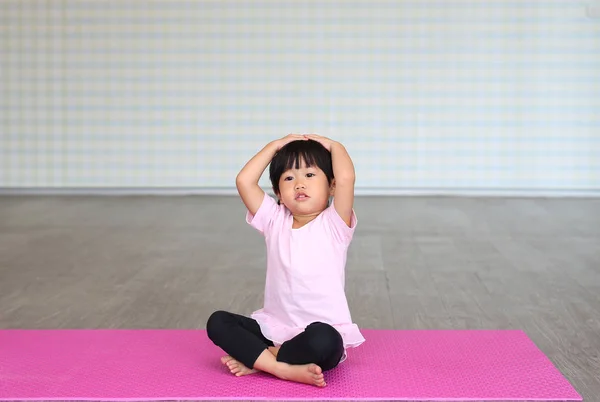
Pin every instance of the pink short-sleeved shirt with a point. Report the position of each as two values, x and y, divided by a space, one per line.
305 273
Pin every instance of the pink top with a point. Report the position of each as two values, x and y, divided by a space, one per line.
305 273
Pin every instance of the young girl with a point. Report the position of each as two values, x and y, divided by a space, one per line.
305 325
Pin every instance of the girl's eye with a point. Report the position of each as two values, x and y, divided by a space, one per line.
310 174
288 178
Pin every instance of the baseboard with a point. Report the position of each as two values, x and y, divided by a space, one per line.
407 192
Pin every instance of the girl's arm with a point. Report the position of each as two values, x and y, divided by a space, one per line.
247 179
343 171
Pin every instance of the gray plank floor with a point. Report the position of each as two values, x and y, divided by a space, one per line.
415 263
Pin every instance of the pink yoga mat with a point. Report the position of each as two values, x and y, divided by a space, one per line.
184 364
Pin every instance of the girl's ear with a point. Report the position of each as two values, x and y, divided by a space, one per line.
278 195
332 188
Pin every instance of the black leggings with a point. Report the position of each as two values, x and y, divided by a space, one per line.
240 337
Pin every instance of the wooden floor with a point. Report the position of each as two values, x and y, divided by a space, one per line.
424 262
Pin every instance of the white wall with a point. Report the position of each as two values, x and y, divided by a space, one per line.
426 95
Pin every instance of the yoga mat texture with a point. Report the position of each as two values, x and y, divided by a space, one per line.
184 364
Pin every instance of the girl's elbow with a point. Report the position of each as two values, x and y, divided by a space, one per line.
241 181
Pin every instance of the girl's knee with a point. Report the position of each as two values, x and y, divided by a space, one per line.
216 323
326 333
327 342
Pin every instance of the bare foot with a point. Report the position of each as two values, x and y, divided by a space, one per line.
307 374
236 367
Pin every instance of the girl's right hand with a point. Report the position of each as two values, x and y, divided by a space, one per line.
280 143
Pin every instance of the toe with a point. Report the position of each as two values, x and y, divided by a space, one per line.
225 359
315 369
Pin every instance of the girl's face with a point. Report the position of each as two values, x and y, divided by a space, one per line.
305 191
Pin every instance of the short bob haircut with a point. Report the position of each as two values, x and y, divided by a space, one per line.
292 154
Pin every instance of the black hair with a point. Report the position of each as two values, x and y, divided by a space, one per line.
291 154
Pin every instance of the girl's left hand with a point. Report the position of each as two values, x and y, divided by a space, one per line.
326 142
